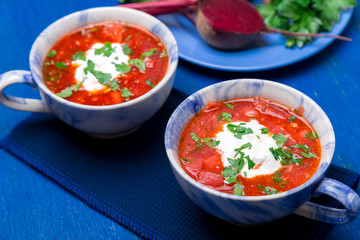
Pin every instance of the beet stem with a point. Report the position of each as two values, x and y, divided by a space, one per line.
163 7
297 34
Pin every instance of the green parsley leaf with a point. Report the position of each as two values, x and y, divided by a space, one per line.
311 135
123 67
196 139
60 65
245 145
267 190
276 156
251 164
264 130
148 82
241 133
67 92
277 177
138 63
125 93
238 190
127 38
229 171
211 142
90 67
114 86
103 78
163 54
308 155
292 118
126 49
303 147
106 50
280 139
226 116
79 55
52 53
148 53
230 106
187 160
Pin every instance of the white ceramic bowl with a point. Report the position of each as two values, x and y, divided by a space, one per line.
261 209
102 121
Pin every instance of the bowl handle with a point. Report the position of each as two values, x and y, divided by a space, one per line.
17 103
339 191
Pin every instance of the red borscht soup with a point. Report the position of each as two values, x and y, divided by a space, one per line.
249 147
105 63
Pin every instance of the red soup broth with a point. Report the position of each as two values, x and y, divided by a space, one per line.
202 160
145 64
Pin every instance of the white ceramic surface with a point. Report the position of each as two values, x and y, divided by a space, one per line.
102 121
261 209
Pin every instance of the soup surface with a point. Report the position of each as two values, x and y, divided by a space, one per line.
249 146
105 63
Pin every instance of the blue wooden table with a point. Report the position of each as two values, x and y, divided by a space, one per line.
34 207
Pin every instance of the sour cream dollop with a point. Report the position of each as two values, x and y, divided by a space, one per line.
259 153
104 64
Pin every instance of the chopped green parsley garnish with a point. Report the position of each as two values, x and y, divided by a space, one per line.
292 118
187 160
236 165
230 172
239 130
226 116
238 190
52 53
114 86
267 190
127 38
148 82
123 67
196 139
308 155
245 145
138 63
103 78
285 157
251 164
125 93
163 54
67 92
280 139
61 65
230 106
303 147
211 142
148 53
79 55
311 135
277 177
264 130
106 50
126 49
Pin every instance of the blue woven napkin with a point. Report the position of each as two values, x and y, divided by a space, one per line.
130 180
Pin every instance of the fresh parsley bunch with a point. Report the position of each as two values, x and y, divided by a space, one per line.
303 16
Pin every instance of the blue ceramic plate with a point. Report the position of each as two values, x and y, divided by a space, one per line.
268 52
